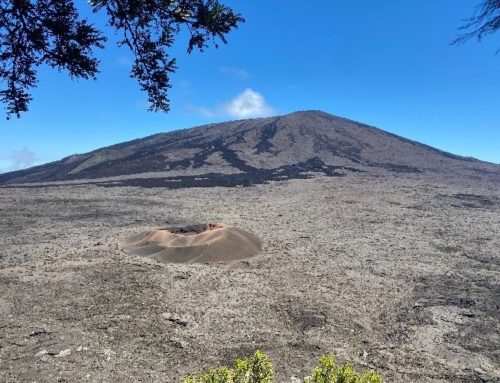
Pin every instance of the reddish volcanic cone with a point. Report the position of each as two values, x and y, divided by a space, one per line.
208 243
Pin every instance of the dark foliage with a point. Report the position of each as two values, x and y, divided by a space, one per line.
484 22
36 32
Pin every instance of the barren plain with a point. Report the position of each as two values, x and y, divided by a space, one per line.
397 272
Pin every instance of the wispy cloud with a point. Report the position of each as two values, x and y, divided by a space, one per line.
17 160
202 110
22 158
236 73
247 104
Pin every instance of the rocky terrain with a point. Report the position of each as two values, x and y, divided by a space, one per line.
394 267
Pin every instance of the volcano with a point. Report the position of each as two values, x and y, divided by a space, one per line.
246 152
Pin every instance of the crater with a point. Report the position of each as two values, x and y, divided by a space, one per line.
193 229
200 243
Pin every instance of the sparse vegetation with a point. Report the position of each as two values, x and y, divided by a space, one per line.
258 369
328 372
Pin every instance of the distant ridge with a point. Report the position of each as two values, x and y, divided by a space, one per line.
252 151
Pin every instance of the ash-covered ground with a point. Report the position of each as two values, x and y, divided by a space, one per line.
393 272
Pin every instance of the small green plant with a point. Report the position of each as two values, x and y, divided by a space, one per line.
371 377
346 374
327 372
258 369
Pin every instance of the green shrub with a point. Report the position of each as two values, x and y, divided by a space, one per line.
346 374
258 369
371 377
327 372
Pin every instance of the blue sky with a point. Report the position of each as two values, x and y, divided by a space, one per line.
386 63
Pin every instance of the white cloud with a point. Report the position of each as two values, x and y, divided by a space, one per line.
23 158
247 104
17 160
237 73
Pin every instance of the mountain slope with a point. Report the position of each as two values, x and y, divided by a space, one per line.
250 151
